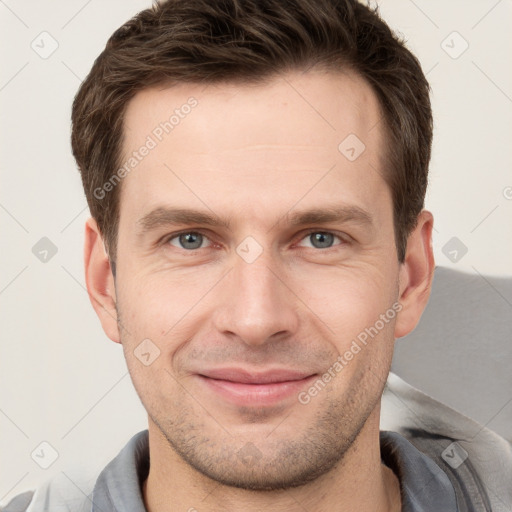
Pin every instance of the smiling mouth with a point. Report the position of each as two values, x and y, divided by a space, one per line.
244 388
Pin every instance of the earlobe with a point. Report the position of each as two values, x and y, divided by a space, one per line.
100 281
416 274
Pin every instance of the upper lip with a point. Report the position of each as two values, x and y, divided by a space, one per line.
255 377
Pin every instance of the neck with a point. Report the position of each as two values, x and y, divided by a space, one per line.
359 482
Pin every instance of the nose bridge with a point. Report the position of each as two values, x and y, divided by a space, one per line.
258 305
257 281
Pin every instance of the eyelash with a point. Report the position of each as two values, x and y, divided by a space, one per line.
344 239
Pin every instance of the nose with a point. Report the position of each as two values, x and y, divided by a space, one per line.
257 306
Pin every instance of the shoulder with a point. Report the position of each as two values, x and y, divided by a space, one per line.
477 461
58 494
19 503
82 489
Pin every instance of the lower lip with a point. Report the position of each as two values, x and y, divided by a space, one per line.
259 395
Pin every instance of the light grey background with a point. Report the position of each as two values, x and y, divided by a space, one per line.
62 380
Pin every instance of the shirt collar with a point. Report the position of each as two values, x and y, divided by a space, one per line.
119 486
424 485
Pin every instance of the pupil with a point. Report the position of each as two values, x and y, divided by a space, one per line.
321 240
191 240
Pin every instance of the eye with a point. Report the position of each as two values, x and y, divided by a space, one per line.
189 241
320 240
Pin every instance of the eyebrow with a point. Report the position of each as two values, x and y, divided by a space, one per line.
353 214
166 216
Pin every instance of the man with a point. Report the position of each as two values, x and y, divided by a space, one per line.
256 173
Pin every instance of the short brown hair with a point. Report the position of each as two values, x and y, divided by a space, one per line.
205 41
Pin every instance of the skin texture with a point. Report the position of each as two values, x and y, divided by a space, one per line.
254 156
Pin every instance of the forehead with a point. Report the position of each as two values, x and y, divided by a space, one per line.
324 101
250 141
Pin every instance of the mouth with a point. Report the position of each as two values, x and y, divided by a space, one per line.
258 389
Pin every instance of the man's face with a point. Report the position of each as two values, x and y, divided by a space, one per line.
252 252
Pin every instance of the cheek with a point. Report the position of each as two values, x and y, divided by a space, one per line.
161 313
349 304
156 305
348 300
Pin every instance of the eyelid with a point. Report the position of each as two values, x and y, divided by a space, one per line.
165 240
343 237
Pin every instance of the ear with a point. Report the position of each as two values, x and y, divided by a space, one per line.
100 281
415 276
